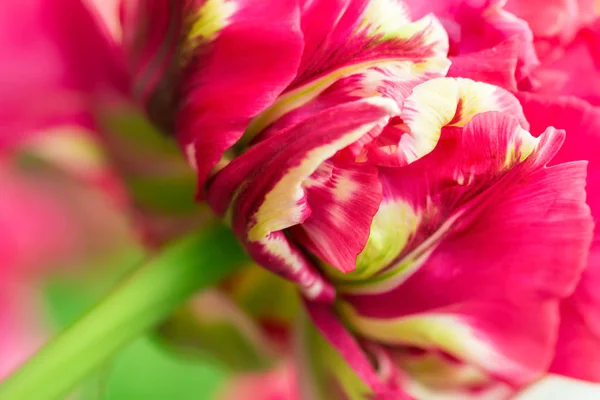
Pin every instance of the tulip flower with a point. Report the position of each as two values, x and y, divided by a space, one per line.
437 229
431 214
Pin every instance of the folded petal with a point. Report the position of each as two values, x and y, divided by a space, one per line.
346 345
238 56
578 347
443 102
265 187
496 66
476 25
344 37
343 198
323 373
575 70
500 255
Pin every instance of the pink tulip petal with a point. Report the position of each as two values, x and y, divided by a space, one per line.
20 334
556 387
433 374
390 79
447 292
476 25
496 66
343 32
576 71
344 37
555 19
152 31
77 59
108 13
578 348
272 197
276 384
235 74
344 199
338 336
448 102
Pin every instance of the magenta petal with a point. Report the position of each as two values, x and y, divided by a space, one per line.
265 188
485 283
343 32
579 119
578 347
551 19
152 31
496 66
55 59
343 200
508 298
576 69
236 76
338 336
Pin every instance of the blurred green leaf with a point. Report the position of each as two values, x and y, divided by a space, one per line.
146 371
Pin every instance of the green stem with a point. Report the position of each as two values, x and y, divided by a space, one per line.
136 305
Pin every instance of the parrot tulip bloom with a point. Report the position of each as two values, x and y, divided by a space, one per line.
435 239
415 212
431 253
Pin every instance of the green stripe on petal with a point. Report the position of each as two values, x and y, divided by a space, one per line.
323 373
447 332
393 225
210 19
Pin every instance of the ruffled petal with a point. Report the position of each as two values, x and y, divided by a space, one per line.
496 66
390 79
343 198
354 31
443 102
574 70
238 56
344 37
578 347
476 25
266 186
449 285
